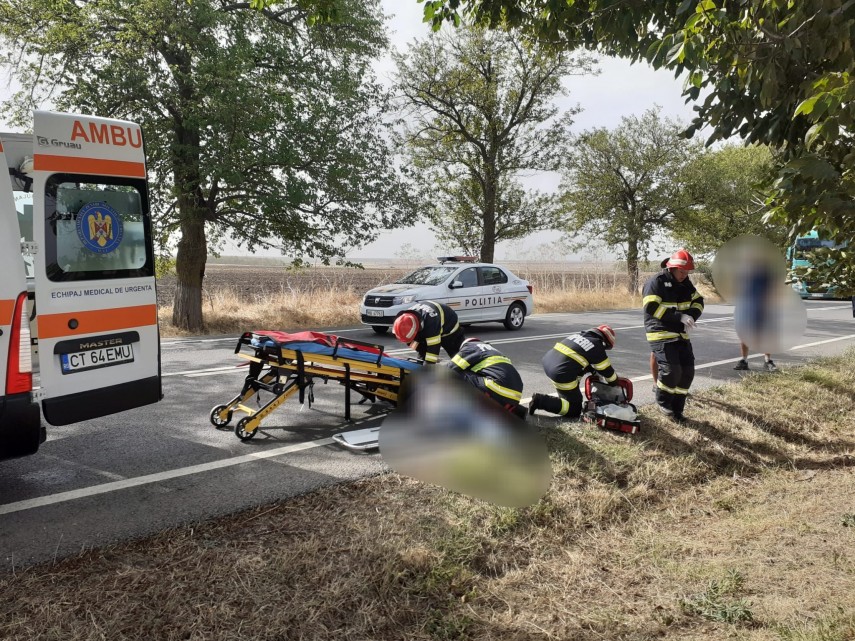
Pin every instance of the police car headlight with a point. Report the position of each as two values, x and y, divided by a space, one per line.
403 300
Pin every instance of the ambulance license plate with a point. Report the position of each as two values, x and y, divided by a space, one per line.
95 358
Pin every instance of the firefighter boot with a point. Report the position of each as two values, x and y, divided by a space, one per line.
678 405
664 402
534 403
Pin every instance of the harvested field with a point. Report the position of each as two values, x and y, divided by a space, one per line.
236 297
253 281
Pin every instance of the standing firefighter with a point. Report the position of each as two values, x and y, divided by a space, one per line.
567 362
671 307
489 371
427 326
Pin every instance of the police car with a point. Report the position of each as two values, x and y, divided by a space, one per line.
478 292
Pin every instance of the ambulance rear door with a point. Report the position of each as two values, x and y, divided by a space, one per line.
21 430
96 305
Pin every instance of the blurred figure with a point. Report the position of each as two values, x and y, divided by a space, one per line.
671 307
567 362
750 272
490 372
447 433
427 326
742 364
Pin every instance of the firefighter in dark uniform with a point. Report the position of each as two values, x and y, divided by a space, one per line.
671 307
427 326
567 362
489 371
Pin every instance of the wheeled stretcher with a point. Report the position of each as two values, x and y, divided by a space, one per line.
289 364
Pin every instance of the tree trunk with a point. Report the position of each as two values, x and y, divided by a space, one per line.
488 239
632 265
190 273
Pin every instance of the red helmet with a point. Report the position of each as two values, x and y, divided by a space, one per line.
608 335
406 327
680 258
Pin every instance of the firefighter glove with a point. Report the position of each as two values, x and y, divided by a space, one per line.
688 321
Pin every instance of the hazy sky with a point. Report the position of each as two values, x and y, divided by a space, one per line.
620 90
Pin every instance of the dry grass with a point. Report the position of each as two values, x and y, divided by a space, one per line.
228 312
739 526
237 298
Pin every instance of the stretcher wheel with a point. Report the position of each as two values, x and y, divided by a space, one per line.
241 431
216 421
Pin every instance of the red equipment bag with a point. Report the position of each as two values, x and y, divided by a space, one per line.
596 408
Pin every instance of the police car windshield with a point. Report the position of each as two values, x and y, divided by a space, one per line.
427 276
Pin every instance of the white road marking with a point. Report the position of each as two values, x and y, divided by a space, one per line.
649 377
213 371
148 479
158 477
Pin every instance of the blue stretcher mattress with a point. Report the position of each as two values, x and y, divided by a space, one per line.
342 352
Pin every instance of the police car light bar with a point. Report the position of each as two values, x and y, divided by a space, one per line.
457 259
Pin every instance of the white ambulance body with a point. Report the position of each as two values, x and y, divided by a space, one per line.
78 307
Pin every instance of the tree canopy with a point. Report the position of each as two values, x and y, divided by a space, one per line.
260 124
479 114
623 186
727 187
777 72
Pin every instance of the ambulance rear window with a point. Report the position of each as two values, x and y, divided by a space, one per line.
96 228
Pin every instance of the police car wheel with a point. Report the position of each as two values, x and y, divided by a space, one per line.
380 329
515 317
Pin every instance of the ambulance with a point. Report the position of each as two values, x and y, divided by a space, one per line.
79 337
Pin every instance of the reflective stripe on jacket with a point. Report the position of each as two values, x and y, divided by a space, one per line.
568 360
664 301
500 376
437 321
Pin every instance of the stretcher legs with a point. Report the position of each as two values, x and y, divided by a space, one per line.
284 373
247 426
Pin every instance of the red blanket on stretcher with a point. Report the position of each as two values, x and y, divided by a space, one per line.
283 338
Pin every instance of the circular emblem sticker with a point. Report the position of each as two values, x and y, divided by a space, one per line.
99 227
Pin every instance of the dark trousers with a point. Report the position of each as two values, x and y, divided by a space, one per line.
570 407
480 384
451 343
676 362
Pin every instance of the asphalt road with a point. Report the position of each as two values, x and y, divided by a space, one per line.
165 465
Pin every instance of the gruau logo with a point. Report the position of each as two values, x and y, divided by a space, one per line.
53 142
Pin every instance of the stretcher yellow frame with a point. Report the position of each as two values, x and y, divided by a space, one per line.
286 372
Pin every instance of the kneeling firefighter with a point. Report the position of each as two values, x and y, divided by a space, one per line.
427 326
567 362
491 372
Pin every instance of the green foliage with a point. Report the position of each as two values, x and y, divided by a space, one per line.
479 113
726 187
772 72
624 186
257 124
716 602
830 268
164 266
836 626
